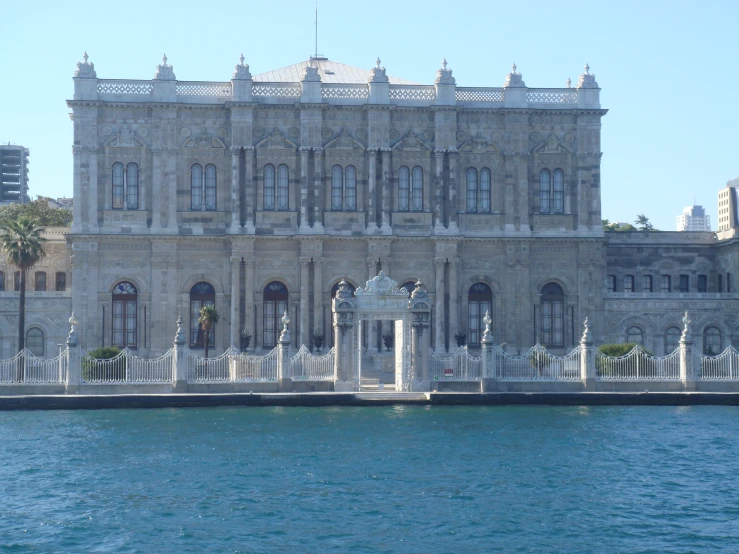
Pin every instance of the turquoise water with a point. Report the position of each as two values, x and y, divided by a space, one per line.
390 479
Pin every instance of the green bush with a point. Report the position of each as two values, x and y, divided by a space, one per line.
616 350
603 366
115 371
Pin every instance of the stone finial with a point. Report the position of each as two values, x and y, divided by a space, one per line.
377 74
72 337
85 69
285 334
241 71
419 292
514 79
179 338
444 75
343 292
586 336
587 79
487 334
310 73
165 72
687 336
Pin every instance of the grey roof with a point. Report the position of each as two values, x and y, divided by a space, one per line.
331 72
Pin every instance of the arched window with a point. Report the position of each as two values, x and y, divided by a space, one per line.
274 298
117 186
417 189
485 203
350 188
337 187
635 335
61 281
479 301
203 187
545 179
132 186
558 192
404 189
471 190
124 315
40 281
672 339
269 187
210 187
201 294
283 188
196 187
35 342
552 315
333 295
712 341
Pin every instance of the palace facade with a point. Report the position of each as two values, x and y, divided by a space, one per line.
260 194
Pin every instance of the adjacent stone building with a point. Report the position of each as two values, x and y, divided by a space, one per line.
262 193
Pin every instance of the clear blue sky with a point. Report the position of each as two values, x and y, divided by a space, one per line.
669 70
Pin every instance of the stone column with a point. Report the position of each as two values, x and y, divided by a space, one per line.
76 190
344 351
587 359
453 200
303 337
172 189
235 204
318 299
235 296
489 373
249 299
439 292
283 356
179 360
453 299
371 182
387 191
304 152
156 187
439 192
687 373
317 188
522 174
419 356
92 200
250 190
373 341
74 361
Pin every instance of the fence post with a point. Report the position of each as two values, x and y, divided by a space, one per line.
74 362
687 372
488 381
587 358
283 356
179 359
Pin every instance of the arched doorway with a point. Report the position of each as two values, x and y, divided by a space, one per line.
479 302
201 294
124 326
275 298
552 315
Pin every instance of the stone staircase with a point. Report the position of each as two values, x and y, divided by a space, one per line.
375 380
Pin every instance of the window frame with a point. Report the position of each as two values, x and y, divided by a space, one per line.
343 188
649 282
665 283
125 186
628 283
39 281
205 295
552 316
124 315
611 283
275 303
479 301
203 188
684 283
708 331
670 333
702 283
630 334
479 190
30 341
63 283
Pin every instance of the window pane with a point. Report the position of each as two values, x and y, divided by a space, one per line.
40 281
350 185
665 284
471 190
417 189
2 281
403 189
269 187
646 283
712 341
336 187
117 186
282 188
17 281
558 198
210 187
544 189
485 191
635 335
196 187
61 281
672 339
35 341
702 283
611 282
684 283
628 283
132 174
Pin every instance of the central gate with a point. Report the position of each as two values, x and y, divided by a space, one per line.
381 300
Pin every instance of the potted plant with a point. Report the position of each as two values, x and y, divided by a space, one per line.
318 342
461 339
387 340
245 340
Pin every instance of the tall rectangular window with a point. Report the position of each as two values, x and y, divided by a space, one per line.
61 281
2 280
628 283
720 282
665 283
702 283
611 283
728 282
17 281
684 283
646 283
40 281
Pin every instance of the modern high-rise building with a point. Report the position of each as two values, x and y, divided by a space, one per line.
727 206
694 218
13 174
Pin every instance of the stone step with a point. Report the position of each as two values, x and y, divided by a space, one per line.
392 395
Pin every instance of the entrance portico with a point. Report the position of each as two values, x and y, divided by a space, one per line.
381 300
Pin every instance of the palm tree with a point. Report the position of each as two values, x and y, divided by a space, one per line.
22 243
208 318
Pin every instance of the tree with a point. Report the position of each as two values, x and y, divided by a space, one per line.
40 211
643 224
22 243
208 318
616 227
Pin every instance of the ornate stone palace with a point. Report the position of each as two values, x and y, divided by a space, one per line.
260 194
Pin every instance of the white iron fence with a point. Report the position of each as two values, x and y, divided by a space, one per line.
537 365
305 366
254 368
637 365
127 368
724 367
231 367
26 369
458 366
